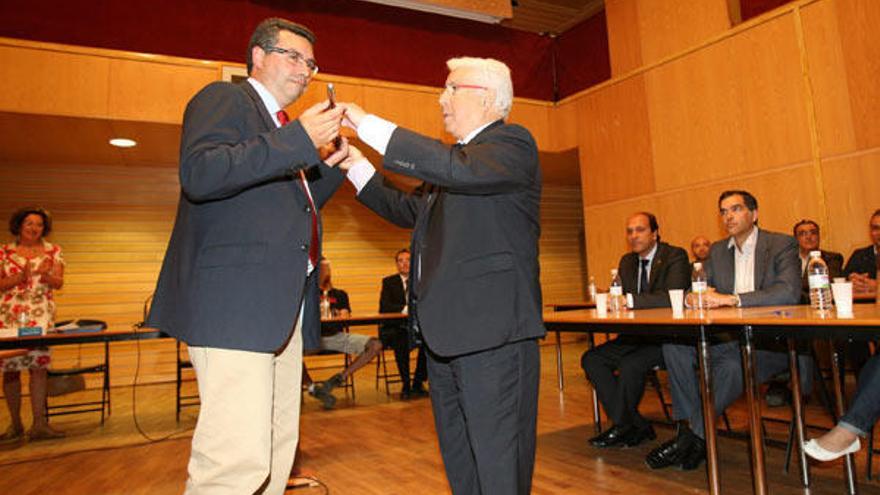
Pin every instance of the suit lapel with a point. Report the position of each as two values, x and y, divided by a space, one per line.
762 255
658 262
258 104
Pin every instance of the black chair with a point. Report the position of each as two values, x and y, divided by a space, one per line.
102 405
183 400
383 374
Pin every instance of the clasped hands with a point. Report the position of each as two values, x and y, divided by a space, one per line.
41 270
711 299
323 126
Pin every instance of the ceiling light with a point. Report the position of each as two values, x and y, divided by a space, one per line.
123 142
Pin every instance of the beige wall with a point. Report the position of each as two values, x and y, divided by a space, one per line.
786 106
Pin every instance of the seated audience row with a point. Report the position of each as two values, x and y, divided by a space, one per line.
751 267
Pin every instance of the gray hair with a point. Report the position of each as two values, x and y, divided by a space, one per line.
495 73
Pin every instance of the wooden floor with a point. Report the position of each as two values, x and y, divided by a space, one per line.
380 445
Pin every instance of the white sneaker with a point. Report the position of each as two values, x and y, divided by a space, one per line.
814 450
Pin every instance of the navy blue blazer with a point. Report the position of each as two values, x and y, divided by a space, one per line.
234 274
475 234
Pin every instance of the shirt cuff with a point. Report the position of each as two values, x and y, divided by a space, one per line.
360 173
376 132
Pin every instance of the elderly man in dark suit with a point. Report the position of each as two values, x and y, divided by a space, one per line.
238 283
474 286
618 368
861 268
393 299
753 267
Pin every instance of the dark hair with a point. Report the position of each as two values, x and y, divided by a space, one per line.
399 252
804 222
266 35
748 199
18 217
876 213
652 220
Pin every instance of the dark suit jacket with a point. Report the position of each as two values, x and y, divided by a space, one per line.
835 269
392 300
475 235
234 274
777 270
862 261
669 270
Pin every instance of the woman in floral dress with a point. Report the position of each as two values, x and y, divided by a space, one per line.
30 269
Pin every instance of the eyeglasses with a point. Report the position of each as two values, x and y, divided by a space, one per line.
294 56
451 88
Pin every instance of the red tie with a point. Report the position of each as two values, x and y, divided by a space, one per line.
313 246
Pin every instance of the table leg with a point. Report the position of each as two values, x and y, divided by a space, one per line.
753 398
559 361
849 464
597 415
708 411
798 406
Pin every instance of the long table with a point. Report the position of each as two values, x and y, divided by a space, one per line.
791 322
117 335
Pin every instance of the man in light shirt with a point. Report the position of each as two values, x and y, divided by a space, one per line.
753 267
474 289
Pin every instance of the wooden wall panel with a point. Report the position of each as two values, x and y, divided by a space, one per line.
828 78
624 38
565 120
416 110
55 83
670 27
154 92
615 143
852 193
534 116
734 107
858 21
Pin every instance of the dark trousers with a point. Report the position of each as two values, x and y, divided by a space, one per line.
865 406
397 338
485 411
727 377
617 370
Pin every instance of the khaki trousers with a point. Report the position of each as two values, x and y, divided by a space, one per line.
248 427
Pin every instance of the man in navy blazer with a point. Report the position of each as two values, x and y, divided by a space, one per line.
238 283
474 285
618 368
753 267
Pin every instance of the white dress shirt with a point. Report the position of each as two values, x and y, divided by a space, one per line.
744 262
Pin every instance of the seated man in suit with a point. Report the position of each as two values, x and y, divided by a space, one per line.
647 272
861 268
333 338
700 248
395 334
807 234
753 267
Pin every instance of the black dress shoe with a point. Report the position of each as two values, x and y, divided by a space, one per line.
418 390
405 394
673 452
695 457
638 436
612 437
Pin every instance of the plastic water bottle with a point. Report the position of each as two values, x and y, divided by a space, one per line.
325 306
591 288
699 286
616 301
820 287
